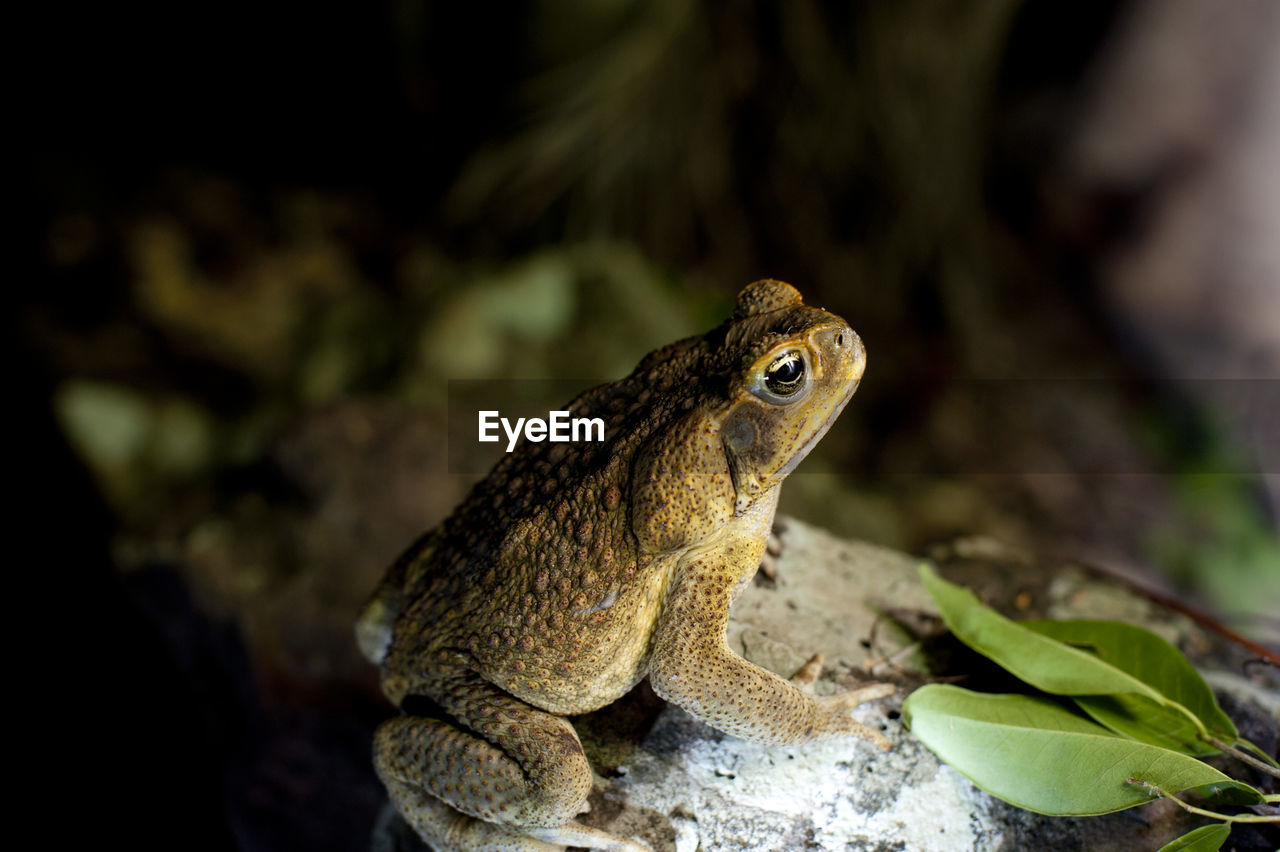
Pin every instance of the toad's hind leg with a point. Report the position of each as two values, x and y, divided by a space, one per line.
498 775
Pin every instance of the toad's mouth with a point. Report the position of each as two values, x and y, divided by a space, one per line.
819 432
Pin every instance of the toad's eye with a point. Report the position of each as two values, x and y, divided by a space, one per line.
785 375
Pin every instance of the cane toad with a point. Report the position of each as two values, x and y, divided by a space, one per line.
575 570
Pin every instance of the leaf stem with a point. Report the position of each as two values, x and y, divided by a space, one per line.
1165 794
1243 757
1195 720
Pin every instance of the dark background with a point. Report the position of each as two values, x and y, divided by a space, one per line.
259 240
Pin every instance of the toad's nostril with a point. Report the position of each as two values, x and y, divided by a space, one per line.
839 339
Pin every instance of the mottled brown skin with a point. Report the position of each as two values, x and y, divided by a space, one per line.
577 569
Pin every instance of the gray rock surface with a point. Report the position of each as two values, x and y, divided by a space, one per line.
679 785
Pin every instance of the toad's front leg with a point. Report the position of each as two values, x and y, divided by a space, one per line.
691 665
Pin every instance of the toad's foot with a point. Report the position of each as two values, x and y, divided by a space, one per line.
808 673
836 707
576 834
448 830
691 665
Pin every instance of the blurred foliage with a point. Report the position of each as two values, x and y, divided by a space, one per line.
131 439
1222 545
799 140
554 192
268 238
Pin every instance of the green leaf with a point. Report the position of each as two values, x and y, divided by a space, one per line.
1034 754
1228 794
1156 663
1033 657
1140 718
1206 838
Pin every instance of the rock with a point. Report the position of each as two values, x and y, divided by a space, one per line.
677 784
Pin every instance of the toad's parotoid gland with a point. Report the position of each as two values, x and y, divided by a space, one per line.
575 569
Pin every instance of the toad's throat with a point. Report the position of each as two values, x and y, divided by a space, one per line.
818 433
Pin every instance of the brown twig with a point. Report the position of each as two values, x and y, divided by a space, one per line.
1243 757
1201 618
